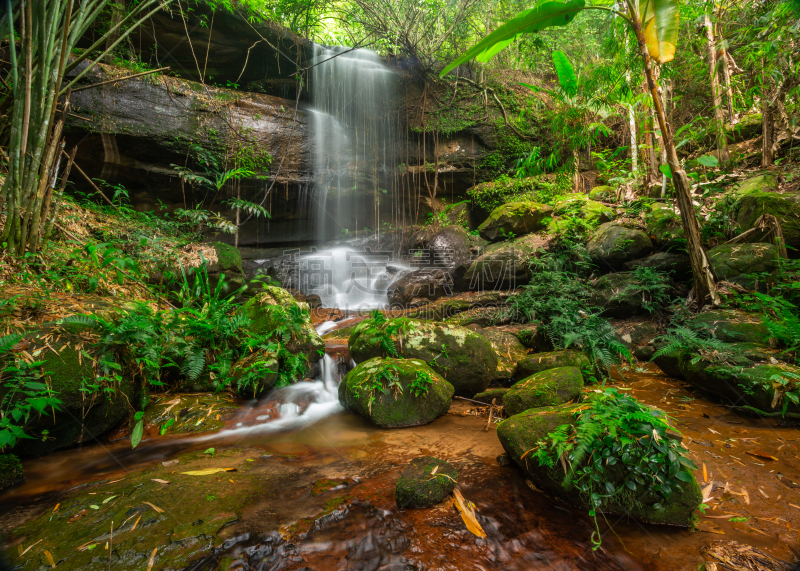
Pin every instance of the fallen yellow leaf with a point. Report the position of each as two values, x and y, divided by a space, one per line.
49 558
152 559
208 471
468 514
158 509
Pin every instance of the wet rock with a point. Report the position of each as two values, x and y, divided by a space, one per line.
515 219
424 283
509 352
635 331
664 226
547 388
490 395
450 247
612 244
731 326
464 358
644 353
528 334
603 193
738 262
676 265
274 309
420 487
618 294
503 460
10 471
84 414
761 195
481 317
452 306
503 265
190 414
538 362
380 390
522 432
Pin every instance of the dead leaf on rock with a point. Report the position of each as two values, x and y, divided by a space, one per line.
158 509
761 454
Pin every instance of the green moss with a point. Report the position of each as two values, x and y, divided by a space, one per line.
515 218
490 395
537 362
420 487
547 388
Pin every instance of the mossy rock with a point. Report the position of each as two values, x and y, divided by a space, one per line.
548 388
190 414
738 262
515 219
664 227
463 357
379 391
578 205
489 395
83 416
482 316
760 195
418 488
678 266
504 265
611 245
508 349
731 326
10 471
538 362
603 193
268 311
618 295
522 433
255 374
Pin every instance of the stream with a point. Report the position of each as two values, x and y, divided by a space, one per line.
302 484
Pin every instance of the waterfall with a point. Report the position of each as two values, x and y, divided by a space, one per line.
353 133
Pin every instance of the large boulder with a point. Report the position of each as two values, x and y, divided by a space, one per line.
522 433
393 393
547 388
618 294
426 482
577 205
739 263
731 326
450 247
495 394
664 226
515 219
762 195
504 265
256 373
508 349
274 311
612 244
676 265
464 358
426 283
85 413
537 362
603 193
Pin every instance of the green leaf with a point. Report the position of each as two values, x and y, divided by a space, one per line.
545 15
566 73
108 499
708 161
211 451
138 416
683 476
666 171
661 19
136 435
94 507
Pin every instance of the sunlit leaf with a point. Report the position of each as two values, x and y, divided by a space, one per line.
566 73
661 19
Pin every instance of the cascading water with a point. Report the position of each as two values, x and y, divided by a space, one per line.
353 136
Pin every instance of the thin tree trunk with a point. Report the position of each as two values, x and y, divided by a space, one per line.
767 134
634 142
719 119
705 288
726 74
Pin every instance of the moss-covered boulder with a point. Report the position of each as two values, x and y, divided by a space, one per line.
90 406
393 393
10 471
489 395
676 265
523 432
739 263
612 244
274 310
515 219
463 357
603 193
426 482
548 388
508 349
731 326
664 226
537 362
618 294
504 265
761 195
578 205
256 373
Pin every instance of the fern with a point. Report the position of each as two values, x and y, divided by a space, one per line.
681 340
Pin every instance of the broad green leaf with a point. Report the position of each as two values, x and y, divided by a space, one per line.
684 476
538 18
136 435
708 161
660 20
211 451
666 170
566 73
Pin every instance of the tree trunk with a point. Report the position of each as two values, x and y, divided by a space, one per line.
726 76
768 134
705 288
719 119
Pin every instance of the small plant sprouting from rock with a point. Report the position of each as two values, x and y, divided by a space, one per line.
615 437
421 384
653 285
386 379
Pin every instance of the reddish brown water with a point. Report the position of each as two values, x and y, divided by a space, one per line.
292 529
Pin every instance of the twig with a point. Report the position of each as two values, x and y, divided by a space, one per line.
90 181
79 117
119 79
472 401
